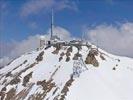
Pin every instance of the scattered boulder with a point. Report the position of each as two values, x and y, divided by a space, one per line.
114 68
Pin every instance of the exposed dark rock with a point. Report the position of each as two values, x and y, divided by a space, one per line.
94 52
68 54
5 80
102 57
60 59
10 94
55 91
3 89
58 47
8 74
70 49
54 72
47 87
22 94
78 47
67 59
16 80
76 56
40 57
62 54
25 62
2 95
114 68
90 59
27 78
88 46
56 51
66 88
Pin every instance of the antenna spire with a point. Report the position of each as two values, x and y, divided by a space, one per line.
52 23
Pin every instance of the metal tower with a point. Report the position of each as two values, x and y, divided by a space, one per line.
52 24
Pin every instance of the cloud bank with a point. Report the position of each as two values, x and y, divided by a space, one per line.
31 43
115 39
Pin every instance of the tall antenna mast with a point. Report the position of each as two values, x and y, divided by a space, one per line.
52 23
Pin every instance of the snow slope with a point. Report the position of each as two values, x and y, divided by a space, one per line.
42 75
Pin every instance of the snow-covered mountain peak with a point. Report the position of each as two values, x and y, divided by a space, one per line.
67 73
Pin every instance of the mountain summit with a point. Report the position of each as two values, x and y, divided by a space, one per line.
67 72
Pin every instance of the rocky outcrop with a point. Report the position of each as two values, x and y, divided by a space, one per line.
15 80
27 78
91 59
10 94
40 57
66 88
61 56
68 53
57 48
47 87
76 56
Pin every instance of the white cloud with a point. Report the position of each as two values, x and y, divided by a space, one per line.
18 48
29 44
25 46
38 6
117 40
62 33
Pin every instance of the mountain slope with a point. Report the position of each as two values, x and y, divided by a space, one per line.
63 73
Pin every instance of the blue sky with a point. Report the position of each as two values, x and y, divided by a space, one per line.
110 22
79 14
